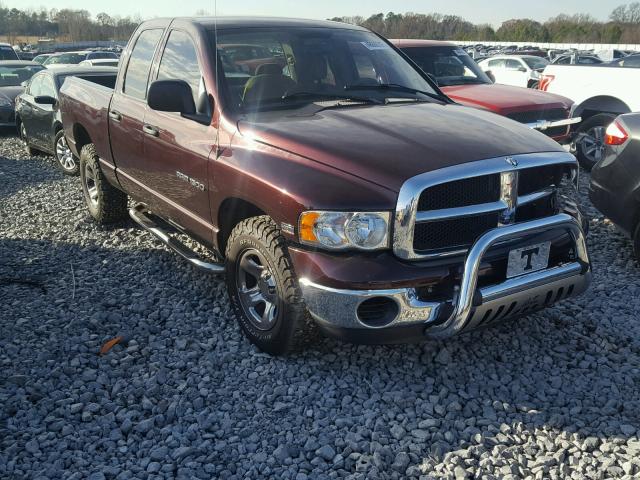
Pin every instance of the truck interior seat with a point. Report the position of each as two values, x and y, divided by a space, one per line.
269 82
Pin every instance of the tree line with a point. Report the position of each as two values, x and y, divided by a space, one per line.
64 24
623 26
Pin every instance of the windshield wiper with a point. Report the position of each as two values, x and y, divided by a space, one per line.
328 96
394 87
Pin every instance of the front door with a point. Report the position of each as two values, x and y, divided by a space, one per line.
177 149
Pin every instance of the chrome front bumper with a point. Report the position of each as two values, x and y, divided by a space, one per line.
471 307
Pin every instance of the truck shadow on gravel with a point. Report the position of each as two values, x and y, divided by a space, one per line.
564 380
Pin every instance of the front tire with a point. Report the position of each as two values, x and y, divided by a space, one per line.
263 287
590 144
66 160
106 203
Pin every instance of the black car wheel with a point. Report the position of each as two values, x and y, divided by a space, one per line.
263 288
66 160
23 136
590 140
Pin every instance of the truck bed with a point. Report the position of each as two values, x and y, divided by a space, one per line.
84 100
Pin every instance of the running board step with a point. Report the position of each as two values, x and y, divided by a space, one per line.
145 219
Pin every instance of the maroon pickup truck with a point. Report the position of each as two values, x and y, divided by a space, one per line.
462 80
334 183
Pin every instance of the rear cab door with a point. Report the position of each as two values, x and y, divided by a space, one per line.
177 148
129 104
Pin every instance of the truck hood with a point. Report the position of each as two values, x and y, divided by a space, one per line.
504 99
389 144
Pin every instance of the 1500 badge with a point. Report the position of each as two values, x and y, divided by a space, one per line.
192 181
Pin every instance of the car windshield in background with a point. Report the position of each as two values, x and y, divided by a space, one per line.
535 63
65 58
8 53
270 69
14 76
448 65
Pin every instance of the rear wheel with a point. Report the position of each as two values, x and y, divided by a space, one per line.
25 141
590 144
66 160
263 287
106 203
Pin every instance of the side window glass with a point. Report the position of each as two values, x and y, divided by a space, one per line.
513 65
48 88
36 85
136 78
180 62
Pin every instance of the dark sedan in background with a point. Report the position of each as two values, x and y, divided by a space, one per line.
615 180
13 73
38 117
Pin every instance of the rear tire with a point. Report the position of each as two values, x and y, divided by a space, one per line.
106 203
590 144
29 150
263 287
67 161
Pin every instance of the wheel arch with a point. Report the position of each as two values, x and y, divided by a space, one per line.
232 211
601 104
81 137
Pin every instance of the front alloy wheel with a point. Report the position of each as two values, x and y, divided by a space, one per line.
257 287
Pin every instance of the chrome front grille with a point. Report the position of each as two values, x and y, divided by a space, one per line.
442 213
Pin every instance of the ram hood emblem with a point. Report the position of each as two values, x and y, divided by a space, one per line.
512 161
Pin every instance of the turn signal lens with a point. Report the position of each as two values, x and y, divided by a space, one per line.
615 134
307 226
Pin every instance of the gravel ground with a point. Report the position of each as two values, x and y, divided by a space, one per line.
553 395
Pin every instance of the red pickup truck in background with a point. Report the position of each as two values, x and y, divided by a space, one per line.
460 77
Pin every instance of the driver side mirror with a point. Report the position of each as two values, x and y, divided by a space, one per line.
491 76
171 96
522 69
45 100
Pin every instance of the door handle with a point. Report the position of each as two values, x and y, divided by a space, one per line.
151 130
115 115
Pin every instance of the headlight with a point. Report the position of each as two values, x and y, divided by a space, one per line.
345 230
5 102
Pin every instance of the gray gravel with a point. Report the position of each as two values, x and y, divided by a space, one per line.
554 395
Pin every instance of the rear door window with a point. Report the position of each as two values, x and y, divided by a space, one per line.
499 63
136 77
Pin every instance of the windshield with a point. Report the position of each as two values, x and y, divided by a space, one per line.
448 65
14 76
65 58
268 69
535 62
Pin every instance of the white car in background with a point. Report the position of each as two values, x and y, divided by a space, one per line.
61 60
516 70
100 62
600 93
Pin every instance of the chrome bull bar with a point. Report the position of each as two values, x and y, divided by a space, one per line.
543 125
470 309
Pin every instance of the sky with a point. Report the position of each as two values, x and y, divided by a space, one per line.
489 11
